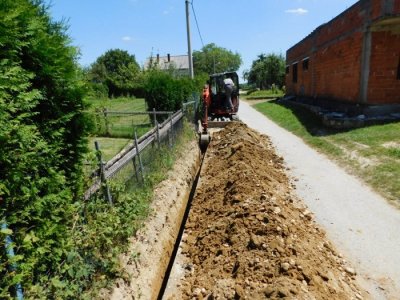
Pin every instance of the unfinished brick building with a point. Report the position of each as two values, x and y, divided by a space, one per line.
353 59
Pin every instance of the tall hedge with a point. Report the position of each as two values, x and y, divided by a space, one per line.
166 92
41 146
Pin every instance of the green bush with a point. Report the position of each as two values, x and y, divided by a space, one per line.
42 131
165 92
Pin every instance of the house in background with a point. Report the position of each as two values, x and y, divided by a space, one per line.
180 63
353 59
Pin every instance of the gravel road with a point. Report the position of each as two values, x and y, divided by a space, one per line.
363 226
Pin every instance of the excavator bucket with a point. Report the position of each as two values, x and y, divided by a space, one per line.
205 139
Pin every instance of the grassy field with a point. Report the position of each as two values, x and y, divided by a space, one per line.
117 104
372 153
119 126
109 146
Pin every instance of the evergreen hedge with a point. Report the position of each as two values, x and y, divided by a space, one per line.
42 131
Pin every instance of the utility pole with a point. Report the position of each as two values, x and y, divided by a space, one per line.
191 74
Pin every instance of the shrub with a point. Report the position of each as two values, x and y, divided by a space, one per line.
42 141
167 93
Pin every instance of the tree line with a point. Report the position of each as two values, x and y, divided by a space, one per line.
117 73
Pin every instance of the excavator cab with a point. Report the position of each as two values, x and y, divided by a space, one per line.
218 108
215 104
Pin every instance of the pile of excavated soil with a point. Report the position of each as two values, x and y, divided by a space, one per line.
248 237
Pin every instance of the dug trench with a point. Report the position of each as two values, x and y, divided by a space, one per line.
246 236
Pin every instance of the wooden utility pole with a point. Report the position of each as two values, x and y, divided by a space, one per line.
191 74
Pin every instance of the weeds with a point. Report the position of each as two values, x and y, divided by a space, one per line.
104 231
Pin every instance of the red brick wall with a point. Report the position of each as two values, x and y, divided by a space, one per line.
397 7
304 79
383 85
337 70
301 50
343 24
376 8
335 65
303 85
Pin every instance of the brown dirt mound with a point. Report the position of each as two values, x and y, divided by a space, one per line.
248 237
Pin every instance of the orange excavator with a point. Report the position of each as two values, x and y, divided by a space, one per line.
220 103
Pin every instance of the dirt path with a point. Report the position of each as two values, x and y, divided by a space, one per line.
248 236
360 223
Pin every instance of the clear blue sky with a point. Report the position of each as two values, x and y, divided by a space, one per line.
249 27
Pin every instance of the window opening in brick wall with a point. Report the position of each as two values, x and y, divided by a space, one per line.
305 63
398 70
295 72
287 70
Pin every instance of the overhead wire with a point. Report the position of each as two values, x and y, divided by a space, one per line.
197 24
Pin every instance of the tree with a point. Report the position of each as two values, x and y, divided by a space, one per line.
117 70
213 59
267 70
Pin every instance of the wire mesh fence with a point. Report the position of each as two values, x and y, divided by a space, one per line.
130 166
121 124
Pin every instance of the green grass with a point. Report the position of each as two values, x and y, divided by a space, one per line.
117 104
372 153
264 94
109 146
116 126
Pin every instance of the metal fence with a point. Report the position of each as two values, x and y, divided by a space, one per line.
135 160
122 123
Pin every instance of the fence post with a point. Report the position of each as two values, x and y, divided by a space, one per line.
13 266
158 135
106 121
138 154
136 169
154 116
102 173
171 131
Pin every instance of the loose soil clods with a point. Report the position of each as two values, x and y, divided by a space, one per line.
248 237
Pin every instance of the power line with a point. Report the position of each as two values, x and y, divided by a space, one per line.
197 24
